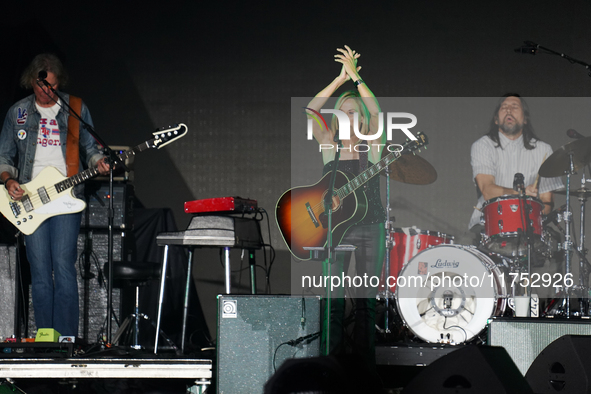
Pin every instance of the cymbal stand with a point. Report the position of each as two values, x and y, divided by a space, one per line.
582 252
389 246
567 237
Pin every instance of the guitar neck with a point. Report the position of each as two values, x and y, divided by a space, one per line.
93 172
366 175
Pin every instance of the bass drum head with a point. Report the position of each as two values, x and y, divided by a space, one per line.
447 293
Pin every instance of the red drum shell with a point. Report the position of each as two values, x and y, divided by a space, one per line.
504 224
408 244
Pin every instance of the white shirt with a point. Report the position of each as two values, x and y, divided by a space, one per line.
486 158
49 149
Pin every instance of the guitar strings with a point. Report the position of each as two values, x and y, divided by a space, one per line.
364 176
36 200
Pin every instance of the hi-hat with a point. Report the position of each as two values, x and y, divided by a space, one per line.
412 169
558 164
582 192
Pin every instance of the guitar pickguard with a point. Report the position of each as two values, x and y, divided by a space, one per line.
64 204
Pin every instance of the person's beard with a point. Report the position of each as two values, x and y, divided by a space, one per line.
511 130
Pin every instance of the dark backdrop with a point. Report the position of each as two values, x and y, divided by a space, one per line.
228 70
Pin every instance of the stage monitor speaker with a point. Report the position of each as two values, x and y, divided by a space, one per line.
472 369
525 338
563 367
327 374
254 334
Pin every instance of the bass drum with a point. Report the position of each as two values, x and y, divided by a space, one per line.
446 294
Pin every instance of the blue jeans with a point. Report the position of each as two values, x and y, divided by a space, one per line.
52 253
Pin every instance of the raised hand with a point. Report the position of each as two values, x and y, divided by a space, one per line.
348 58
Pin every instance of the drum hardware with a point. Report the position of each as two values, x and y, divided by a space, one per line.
567 160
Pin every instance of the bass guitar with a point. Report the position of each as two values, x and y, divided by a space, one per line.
300 211
51 194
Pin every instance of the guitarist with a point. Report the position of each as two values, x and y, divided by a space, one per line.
368 235
34 136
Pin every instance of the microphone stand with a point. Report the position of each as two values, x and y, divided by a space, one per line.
330 252
113 160
528 46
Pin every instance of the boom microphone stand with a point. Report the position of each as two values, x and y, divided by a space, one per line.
532 48
113 160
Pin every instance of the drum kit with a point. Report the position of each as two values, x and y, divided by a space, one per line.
446 293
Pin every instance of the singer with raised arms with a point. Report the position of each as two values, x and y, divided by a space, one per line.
368 235
507 159
35 135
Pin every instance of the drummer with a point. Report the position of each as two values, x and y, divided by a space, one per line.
510 147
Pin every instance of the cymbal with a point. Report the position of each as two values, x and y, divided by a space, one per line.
412 169
558 164
582 192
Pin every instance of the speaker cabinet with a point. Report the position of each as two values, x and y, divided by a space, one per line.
7 273
563 367
471 370
524 338
254 334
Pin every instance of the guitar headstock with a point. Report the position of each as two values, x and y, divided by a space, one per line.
166 135
420 142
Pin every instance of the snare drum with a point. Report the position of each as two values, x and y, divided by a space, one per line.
448 292
504 224
408 242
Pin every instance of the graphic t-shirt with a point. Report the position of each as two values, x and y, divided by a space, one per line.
49 150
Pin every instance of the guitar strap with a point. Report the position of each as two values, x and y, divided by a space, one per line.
73 140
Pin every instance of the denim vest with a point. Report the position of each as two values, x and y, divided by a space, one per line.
19 138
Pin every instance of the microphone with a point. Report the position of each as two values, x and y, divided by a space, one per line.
41 78
519 182
530 48
572 133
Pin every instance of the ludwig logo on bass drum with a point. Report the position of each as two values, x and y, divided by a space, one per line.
446 264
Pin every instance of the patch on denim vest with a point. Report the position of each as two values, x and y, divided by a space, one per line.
21 116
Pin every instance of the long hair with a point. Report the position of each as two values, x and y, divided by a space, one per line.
363 112
528 133
44 62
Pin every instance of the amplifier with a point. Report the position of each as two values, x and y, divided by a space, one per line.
525 338
96 196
